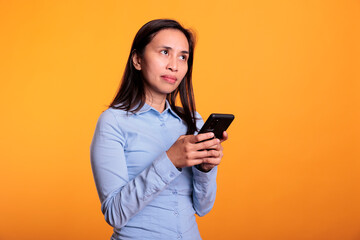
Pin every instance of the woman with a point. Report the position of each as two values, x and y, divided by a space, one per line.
151 177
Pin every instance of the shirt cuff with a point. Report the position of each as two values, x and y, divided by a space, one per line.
204 177
165 169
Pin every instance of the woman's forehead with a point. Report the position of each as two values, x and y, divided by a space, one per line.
171 38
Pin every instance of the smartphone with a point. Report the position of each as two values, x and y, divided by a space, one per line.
217 123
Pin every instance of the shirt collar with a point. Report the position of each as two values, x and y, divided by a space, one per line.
168 108
147 108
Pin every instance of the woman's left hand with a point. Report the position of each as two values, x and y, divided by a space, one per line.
210 162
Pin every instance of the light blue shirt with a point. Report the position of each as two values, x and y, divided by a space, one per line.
143 195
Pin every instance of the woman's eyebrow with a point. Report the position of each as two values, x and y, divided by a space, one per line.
170 48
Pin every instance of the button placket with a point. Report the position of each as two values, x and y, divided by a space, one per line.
162 121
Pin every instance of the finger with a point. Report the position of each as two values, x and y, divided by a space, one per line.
225 136
201 137
206 144
208 165
212 161
214 147
217 147
206 154
194 162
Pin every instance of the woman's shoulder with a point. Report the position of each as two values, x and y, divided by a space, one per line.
113 116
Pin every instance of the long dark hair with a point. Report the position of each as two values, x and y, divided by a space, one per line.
131 94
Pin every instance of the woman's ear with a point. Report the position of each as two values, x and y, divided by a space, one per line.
136 60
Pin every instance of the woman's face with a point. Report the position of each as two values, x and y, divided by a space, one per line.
163 63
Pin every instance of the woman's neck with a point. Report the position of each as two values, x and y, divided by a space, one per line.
156 102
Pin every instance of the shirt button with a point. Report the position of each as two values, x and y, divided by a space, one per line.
176 213
174 192
179 237
163 125
172 174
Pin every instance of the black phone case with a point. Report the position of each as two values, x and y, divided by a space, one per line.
217 123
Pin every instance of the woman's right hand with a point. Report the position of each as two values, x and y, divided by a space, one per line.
186 151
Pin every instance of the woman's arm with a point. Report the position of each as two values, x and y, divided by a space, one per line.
120 198
204 190
204 177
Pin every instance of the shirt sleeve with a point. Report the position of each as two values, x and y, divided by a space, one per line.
120 198
204 185
204 190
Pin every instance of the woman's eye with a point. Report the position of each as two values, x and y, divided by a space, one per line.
164 52
183 57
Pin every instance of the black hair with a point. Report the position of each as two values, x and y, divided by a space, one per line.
131 94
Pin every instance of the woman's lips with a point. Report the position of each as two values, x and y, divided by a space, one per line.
169 79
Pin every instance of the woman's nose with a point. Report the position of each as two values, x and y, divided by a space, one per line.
172 64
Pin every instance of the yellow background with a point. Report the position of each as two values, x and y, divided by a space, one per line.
288 70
